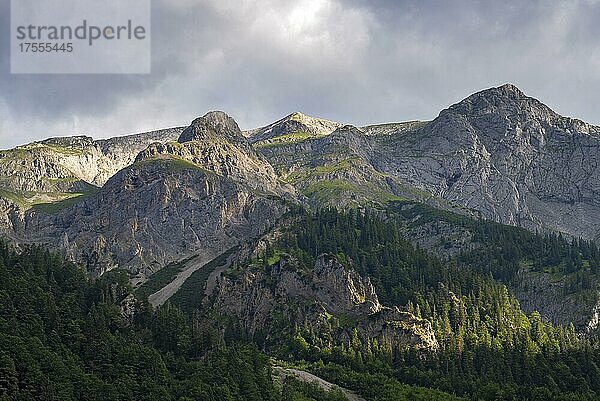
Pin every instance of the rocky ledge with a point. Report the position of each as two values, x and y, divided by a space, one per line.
328 296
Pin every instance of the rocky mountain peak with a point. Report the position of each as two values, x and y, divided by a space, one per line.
215 143
510 89
506 101
312 123
213 125
299 116
294 123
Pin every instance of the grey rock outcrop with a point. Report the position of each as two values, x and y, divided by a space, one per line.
541 292
332 169
213 126
214 142
498 152
313 298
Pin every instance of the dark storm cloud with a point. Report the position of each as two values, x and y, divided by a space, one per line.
54 96
349 60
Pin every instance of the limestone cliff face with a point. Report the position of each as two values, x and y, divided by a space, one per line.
331 169
59 169
508 156
213 126
593 324
498 152
541 292
317 298
151 214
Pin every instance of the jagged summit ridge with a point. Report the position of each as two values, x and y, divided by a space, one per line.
497 153
508 156
78 140
57 168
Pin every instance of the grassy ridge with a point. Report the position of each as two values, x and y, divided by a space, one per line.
38 200
287 139
53 207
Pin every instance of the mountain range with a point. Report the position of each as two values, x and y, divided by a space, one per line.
144 201
309 237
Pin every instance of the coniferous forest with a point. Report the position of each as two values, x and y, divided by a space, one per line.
490 349
65 336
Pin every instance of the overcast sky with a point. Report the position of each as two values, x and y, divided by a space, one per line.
353 61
